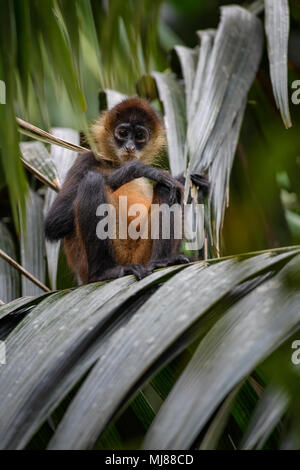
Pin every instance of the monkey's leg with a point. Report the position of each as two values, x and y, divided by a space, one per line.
100 257
166 251
136 169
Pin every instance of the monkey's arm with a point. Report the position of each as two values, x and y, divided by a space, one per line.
60 219
136 169
167 251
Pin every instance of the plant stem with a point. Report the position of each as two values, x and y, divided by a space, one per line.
36 133
23 271
51 184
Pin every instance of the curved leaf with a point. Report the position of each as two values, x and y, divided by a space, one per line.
269 411
36 154
171 94
277 24
206 44
228 63
219 422
255 326
9 277
231 69
157 331
188 59
33 253
54 346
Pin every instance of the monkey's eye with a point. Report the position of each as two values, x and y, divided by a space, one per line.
122 133
141 135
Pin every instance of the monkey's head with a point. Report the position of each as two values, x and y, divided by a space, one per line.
130 130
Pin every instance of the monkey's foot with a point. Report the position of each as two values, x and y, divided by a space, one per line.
172 260
137 270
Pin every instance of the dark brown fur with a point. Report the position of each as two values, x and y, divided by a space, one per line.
139 190
123 171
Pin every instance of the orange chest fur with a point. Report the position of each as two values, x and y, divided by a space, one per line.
132 203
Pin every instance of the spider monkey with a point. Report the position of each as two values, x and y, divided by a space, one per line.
130 137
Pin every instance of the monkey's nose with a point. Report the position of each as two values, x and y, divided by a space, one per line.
130 148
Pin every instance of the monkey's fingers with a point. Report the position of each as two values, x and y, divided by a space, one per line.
171 261
174 186
173 196
176 193
138 270
201 181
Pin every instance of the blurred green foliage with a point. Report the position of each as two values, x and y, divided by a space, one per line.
56 55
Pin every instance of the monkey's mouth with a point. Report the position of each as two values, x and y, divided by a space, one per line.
127 156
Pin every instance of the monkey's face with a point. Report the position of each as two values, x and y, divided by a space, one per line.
130 130
130 139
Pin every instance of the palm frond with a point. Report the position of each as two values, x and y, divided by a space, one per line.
166 319
277 19
268 413
9 279
32 244
215 367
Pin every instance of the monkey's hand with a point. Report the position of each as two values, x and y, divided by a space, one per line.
175 188
202 183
